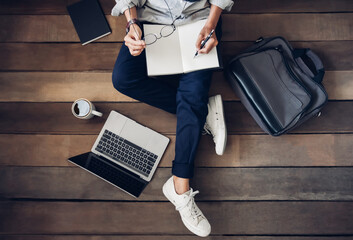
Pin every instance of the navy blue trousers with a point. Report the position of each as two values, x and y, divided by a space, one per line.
188 101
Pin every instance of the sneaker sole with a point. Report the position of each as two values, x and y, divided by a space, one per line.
193 230
219 105
189 227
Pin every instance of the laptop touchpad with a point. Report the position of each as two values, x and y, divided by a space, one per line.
136 133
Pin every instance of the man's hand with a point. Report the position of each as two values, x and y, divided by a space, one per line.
211 43
133 40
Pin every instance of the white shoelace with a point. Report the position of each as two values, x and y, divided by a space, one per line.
207 129
195 212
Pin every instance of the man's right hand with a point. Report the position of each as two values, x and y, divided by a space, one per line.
133 40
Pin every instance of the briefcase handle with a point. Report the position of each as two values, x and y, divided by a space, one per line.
310 63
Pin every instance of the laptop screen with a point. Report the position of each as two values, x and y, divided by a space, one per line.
111 172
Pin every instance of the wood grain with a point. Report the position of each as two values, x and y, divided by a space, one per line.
57 118
253 218
97 86
68 86
33 7
295 187
336 55
242 150
51 28
58 56
158 237
339 85
258 6
236 27
294 27
215 184
59 86
241 6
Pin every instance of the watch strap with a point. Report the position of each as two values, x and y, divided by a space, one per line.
132 21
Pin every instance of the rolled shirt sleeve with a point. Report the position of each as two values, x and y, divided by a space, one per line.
224 4
122 5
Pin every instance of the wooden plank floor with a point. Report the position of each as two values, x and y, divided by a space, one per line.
294 187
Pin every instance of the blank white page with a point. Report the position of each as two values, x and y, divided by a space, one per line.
163 57
188 35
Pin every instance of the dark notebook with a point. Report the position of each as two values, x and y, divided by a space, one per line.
89 20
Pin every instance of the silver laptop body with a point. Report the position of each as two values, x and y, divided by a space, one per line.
137 134
125 154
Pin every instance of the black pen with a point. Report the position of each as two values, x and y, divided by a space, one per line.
203 43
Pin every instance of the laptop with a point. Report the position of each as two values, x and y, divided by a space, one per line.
125 154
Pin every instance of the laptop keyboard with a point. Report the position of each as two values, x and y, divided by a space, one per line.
126 152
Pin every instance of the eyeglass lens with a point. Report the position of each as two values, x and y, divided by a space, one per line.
150 38
165 32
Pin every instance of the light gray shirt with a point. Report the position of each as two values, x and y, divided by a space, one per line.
156 11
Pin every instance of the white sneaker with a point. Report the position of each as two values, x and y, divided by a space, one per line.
215 124
191 215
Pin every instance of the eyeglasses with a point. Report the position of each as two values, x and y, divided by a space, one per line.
166 31
151 38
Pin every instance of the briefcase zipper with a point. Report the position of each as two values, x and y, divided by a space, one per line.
290 71
280 50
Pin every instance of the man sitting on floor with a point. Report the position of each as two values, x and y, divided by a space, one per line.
194 110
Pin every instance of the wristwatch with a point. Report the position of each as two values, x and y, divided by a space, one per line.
132 21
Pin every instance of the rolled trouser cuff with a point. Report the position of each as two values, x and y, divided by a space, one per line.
183 170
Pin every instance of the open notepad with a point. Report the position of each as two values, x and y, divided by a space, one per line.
175 54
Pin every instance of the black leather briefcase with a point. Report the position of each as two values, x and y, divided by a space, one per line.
279 86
